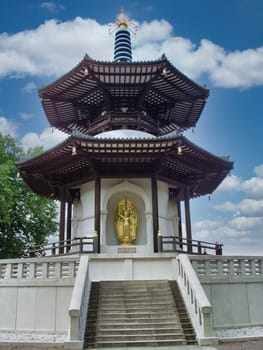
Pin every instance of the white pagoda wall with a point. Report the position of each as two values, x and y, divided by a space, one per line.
112 190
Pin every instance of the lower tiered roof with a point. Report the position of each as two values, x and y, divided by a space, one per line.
80 158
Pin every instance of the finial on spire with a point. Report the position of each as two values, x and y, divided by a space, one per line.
123 27
122 19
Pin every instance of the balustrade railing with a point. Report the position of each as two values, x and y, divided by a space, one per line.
184 245
232 266
79 301
77 245
23 269
196 301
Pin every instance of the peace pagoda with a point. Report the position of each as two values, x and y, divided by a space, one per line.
124 272
129 189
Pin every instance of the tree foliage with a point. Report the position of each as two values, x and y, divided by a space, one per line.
26 219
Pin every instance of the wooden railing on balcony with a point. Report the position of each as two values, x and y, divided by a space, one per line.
182 245
166 244
77 245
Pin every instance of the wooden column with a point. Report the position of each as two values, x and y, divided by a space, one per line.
97 208
69 217
155 214
62 223
188 221
180 231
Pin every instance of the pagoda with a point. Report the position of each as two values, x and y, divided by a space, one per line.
127 190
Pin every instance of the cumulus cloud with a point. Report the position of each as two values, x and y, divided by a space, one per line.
26 116
29 87
240 228
230 183
258 170
253 187
248 207
48 138
51 6
7 127
55 47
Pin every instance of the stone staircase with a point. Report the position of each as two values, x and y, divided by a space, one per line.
137 313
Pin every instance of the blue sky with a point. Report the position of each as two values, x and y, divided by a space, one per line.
216 43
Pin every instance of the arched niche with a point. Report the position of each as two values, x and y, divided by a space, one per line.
139 197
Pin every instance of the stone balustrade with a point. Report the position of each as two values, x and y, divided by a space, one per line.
228 266
196 301
233 285
40 268
79 305
35 295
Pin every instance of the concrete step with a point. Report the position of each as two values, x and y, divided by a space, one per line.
136 313
138 332
140 343
136 325
140 337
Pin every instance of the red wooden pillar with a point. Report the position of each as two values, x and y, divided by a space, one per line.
69 219
180 231
97 208
155 214
188 221
62 224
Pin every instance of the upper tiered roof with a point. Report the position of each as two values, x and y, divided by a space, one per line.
96 96
153 97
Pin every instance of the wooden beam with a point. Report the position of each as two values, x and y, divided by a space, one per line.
97 208
62 223
180 232
188 220
155 214
69 220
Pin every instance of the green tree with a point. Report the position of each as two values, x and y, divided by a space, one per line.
26 219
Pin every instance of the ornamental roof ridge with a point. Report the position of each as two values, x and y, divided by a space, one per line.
202 150
157 60
184 76
88 58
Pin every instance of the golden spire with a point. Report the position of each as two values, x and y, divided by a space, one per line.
122 19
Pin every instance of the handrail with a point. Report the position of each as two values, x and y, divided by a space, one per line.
77 245
183 245
196 301
79 301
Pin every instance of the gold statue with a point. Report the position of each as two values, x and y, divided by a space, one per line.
126 221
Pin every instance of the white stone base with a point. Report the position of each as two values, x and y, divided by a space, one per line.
31 340
239 333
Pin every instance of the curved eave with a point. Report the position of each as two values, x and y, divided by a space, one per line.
79 159
156 89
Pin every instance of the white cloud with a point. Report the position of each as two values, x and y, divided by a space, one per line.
48 138
55 47
155 31
7 127
230 183
51 6
240 68
246 223
29 87
26 116
253 187
258 170
240 227
248 207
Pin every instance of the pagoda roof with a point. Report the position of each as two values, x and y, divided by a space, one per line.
97 96
80 159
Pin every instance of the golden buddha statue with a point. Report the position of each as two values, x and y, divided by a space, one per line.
126 221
